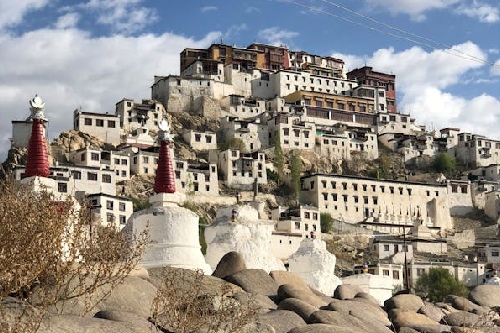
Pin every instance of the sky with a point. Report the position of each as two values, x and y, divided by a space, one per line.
91 54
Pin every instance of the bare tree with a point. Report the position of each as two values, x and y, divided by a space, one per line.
181 305
49 254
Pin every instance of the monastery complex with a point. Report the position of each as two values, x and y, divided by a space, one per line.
265 96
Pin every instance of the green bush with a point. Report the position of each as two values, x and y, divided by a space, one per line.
326 222
438 283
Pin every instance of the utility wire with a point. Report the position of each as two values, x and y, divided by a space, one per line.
448 49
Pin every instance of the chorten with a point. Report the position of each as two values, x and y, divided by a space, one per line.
173 230
38 161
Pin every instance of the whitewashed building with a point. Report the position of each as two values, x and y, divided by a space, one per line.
110 210
104 126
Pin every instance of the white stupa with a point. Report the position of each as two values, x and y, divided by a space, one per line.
173 230
238 228
313 263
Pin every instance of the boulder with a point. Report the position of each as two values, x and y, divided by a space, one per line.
285 277
432 311
347 291
281 320
412 319
254 281
361 310
76 324
134 295
324 328
487 295
365 297
232 262
346 321
461 318
431 328
462 303
303 309
404 302
306 295
456 329
262 303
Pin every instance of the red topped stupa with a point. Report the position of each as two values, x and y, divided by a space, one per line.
165 180
38 158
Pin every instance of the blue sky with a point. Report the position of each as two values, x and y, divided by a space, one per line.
93 53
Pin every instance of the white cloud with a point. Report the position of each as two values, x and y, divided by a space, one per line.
123 16
208 9
483 12
69 68
251 9
235 30
495 70
13 11
275 36
415 9
422 81
69 20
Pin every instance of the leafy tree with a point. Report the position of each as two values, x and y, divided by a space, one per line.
51 253
326 222
444 163
295 172
438 283
279 160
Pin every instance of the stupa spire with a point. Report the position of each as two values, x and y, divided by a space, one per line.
37 163
164 181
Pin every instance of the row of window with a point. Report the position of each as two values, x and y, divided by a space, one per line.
99 122
373 187
105 178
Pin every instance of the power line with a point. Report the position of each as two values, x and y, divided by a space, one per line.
413 37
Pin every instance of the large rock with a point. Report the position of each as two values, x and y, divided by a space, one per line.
361 310
306 295
487 295
431 328
404 302
462 303
345 321
461 318
303 309
412 319
75 324
254 281
134 295
365 297
347 291
324 328
281 320
286 277
229 264
262 303
432 311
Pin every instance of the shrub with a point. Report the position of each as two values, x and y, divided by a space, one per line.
438 283
326 222
50 253
181 306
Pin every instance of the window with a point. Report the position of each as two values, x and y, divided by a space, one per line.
307 215
197 137
91 175
123 219
99 123
124 161
109 204
111 124
94 156
76 174
386 247
420 271
62 187
495 253
88 121
395 275
106 179
121 206
385 272
315 216
297 225
117 161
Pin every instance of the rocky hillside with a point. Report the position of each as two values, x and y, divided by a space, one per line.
280 302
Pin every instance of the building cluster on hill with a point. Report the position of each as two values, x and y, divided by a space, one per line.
267 95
